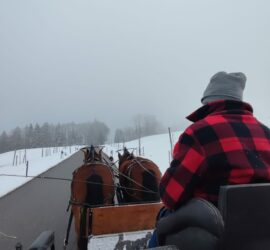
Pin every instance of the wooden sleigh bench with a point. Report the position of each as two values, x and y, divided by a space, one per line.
241 221
123 226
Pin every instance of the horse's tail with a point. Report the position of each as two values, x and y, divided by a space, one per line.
94 194
150 183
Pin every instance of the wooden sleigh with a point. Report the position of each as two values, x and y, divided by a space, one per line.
123 227
113 227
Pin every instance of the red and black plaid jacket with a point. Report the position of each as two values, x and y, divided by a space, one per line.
225 145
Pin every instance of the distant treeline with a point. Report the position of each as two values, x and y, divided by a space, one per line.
95 133
143 125
48 135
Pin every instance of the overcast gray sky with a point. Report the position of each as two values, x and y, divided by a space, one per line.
63 60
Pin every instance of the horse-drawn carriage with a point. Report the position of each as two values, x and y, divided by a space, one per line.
115 208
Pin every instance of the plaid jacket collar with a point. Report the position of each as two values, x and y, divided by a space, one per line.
221 107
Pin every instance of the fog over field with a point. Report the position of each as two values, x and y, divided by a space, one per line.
64 60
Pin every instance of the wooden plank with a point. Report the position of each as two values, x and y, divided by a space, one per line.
126 218
130 240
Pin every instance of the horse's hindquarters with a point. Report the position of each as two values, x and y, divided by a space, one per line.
92 185
139 179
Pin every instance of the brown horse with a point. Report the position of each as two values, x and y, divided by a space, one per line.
92 185
139 178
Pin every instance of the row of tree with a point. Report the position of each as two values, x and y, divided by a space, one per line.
143 125
96 133
48 135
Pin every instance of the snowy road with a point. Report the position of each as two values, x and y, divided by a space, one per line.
38 206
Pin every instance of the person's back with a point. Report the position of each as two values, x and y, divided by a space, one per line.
234 145
225 145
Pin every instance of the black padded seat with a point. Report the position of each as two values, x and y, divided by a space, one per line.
44 241
198 225
246 212
165 248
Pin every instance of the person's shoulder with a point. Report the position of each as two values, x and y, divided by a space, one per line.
264 126
194 127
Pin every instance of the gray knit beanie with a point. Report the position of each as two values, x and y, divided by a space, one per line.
225 86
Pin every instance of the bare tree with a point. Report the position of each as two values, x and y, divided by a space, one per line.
144 125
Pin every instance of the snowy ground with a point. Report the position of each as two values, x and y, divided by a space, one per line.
157 148
39 160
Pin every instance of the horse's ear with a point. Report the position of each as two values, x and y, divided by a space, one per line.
100 153
84 150
119 156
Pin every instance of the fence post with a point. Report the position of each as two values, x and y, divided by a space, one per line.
170 135
139 145
26 173
24 157
14 158
20 154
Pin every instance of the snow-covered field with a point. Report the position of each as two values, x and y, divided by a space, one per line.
156 147
39 160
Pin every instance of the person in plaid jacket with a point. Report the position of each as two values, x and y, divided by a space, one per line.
225 145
